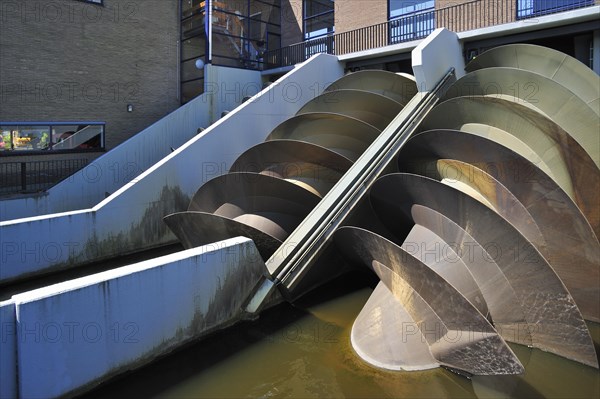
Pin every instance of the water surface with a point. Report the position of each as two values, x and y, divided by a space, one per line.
304 351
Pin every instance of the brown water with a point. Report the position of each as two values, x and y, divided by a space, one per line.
305 352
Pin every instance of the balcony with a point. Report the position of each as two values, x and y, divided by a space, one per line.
459 18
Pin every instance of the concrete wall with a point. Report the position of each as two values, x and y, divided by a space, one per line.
125 52
76 334
225 89
439 45
131 219
8 350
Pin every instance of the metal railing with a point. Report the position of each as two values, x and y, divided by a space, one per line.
458 18
535 8
33 176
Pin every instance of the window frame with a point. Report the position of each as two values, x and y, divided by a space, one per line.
306 18
49 150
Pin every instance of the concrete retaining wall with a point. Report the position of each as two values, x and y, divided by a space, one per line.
114 169
439 45
8 350
131 218
75 334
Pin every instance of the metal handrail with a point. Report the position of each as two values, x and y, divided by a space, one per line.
34 176
458 18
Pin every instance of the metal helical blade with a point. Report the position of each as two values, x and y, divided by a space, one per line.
446 261
571 167
341 134
397 87
500 298
269 204
572 248
385 335
545 61
200 228
459 337
308 165
555 101
372 108
555 323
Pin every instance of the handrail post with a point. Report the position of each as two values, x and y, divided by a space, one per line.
23 176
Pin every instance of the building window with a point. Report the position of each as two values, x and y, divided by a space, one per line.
193 49
30 137
245 32
534 8
410 20
318 18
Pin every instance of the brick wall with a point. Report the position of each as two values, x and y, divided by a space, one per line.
68 60
354 14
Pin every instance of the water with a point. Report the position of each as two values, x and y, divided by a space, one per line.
304 351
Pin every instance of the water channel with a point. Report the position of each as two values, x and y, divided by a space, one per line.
304 351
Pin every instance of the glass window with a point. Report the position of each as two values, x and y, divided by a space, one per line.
190 7
402 7
5 138
30 138
190 71
530 8
410 20
193 26
81 137
318 18
41 137
193 48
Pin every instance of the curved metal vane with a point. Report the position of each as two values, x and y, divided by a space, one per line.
565 160
552 317
339 133
458 336
547 96
308 165
545 61
200 228
269 204
397 87
372 108
386 336
571 246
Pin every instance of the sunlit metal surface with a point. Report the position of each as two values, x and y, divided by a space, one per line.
571 167
528 88
552 318
572 248
446 261
372 108
342 134
397 87
200 228
458 335
385 335
553 64
269 204
310 166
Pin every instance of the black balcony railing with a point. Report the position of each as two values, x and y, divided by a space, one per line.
536 8
459 18
33 176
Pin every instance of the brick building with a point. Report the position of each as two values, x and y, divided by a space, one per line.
77 78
